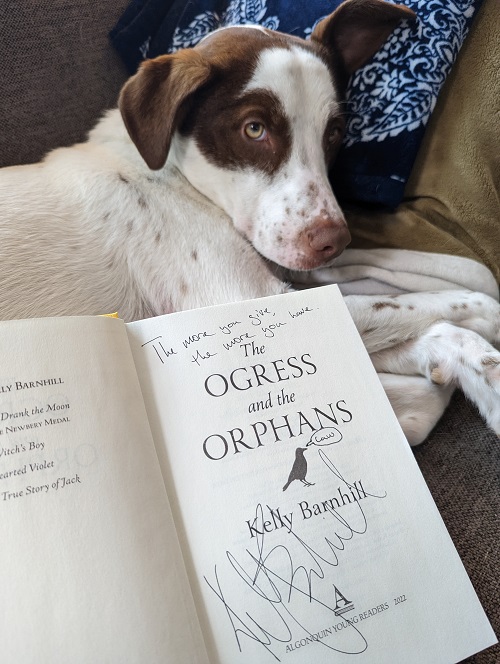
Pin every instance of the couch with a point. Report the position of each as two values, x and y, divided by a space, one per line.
58 74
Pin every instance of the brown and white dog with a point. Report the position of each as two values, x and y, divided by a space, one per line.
217 164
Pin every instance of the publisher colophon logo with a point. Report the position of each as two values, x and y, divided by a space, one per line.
342 604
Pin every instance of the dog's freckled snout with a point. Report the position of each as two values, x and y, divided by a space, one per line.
328 239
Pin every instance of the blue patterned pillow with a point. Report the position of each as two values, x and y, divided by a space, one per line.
390 99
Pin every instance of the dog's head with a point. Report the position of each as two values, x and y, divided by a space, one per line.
254 118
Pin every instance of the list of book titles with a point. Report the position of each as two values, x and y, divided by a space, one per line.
37 454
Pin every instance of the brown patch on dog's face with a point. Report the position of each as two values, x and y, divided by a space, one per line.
216 114
218 124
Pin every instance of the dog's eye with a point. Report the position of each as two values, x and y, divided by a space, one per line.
255 130
334 134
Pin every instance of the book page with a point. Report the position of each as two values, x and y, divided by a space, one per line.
90 566
308 530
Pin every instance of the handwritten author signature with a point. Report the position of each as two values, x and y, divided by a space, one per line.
282 583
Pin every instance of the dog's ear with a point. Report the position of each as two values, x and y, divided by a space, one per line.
151 101
358 28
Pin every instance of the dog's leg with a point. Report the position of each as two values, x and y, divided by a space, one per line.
417 403
386 321
400 333
450 355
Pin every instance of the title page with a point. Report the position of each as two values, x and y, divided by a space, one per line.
307 528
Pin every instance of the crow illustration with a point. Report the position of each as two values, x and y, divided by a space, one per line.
299 469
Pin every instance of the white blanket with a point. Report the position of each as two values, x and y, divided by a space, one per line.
387 271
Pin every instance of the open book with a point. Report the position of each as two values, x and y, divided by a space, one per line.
224 485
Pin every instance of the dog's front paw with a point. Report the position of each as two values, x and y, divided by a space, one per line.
448 355
461 356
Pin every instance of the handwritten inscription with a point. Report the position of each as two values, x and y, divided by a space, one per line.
259 314
230 336
162 351
201 356
269 330
300 312
259 319
325 436
226 329
236 341
197 336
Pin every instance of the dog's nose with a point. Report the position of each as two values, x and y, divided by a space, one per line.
328 239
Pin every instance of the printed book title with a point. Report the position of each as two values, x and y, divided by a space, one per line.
278 375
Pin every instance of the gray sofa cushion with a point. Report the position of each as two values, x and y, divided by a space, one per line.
461 465
58 74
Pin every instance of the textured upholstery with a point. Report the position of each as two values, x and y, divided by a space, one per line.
57 74
461 465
